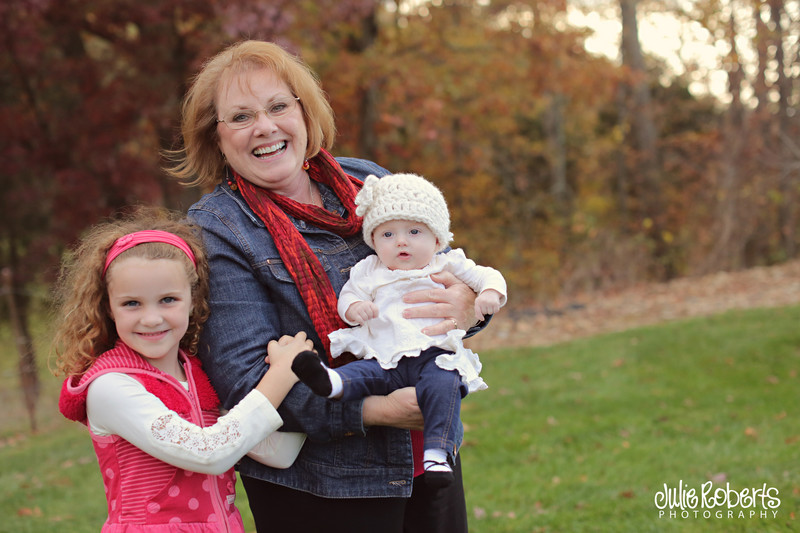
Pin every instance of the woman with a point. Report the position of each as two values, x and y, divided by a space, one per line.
282 234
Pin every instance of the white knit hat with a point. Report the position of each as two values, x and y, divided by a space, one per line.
403 197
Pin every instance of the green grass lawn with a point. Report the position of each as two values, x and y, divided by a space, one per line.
576 437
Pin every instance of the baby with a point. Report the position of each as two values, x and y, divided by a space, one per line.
406 222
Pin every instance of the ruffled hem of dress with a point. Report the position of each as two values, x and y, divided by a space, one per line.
464 360
468 365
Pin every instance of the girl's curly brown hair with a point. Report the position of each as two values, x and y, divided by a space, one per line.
84 326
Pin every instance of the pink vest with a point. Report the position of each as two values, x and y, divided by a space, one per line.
145 494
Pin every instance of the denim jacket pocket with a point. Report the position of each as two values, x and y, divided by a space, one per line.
277 268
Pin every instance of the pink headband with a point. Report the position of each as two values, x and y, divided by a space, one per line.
126 242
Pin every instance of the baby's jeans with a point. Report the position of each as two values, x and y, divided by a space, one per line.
439 392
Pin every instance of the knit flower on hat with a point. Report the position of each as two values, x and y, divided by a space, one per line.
365 197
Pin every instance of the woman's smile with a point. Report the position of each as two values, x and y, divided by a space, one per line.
273 149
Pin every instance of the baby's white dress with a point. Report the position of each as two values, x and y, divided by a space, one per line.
389 337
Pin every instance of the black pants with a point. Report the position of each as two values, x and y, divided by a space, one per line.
432 510
278 508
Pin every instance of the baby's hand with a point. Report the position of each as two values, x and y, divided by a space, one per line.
487 303
281 353
360 312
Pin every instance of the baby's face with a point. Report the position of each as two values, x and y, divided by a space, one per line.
404 244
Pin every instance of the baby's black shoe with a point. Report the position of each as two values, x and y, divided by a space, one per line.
438 478
309 368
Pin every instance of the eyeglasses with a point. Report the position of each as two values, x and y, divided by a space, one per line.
244 118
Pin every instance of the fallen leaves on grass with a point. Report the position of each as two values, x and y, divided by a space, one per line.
480 513
643 304
13 440
718 478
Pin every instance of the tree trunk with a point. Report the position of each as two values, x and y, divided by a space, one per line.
559 184
730 218
760 86
368 109
557 141
28 373
787 184
643 139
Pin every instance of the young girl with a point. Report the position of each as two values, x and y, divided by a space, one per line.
132 302
406 222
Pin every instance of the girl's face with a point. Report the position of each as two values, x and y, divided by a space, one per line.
270 152
151 300
404 244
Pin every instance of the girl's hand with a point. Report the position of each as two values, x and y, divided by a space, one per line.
455 305
360 312
281 352
276 383
398 409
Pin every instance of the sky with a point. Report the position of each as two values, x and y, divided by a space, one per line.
662 36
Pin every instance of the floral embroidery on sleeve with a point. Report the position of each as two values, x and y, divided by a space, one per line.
172 429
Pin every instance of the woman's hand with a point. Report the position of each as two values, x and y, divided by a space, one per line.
455 305
398 409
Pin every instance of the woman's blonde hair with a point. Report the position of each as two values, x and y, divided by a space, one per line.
200 161
84 326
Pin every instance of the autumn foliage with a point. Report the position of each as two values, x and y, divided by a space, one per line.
566 170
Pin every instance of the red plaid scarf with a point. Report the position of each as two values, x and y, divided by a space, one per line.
301 262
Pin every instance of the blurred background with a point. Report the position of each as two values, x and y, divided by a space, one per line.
581 144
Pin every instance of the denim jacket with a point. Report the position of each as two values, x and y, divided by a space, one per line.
254 300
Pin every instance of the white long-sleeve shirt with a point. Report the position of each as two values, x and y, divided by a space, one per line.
118 404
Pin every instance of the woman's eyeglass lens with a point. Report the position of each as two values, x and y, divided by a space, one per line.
243 118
